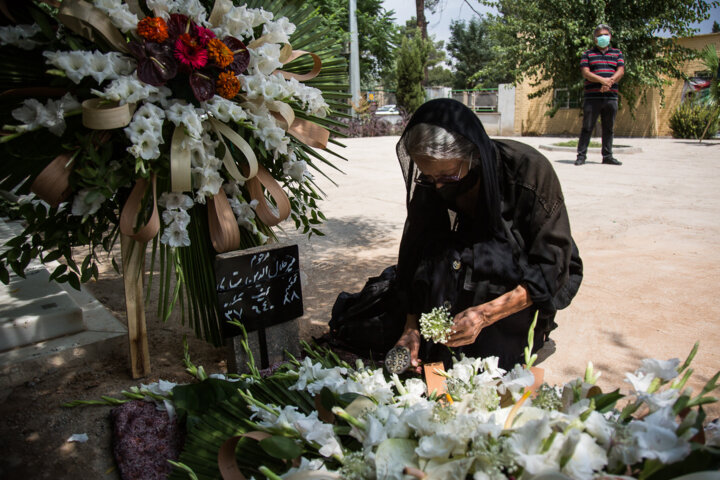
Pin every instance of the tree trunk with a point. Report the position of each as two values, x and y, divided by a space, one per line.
422 25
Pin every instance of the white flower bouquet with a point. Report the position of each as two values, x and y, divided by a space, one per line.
190 124
436 325
320 418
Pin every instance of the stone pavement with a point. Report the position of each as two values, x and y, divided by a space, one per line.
648 232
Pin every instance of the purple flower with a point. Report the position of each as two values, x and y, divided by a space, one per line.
202 85
156 64
241 55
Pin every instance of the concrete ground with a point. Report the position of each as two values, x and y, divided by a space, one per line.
648 233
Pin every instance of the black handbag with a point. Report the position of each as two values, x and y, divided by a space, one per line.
368 323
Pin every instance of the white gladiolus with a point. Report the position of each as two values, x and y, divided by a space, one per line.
101 66
51 115
178 217
207 181
244 212
313 377
82 206
278 31
119 14
664 369
181 113
265 59
129 89
20 35
175 200
314 430
297 170
175 236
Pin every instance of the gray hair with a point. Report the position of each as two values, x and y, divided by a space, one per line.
600 28
439 143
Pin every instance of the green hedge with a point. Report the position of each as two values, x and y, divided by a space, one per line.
689 121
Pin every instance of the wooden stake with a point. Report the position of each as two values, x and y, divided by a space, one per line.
133 263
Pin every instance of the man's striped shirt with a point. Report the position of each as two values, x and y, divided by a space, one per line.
602 65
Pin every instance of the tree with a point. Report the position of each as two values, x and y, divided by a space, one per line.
716 27
377 34
411 60
437 74
420 7
711 61
542 40
472 48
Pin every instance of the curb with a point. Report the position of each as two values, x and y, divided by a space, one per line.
616 149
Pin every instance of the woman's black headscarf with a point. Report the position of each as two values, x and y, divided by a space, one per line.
456 117
427 213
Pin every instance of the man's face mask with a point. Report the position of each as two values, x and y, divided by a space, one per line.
603 41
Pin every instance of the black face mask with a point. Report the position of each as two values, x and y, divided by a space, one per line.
452 191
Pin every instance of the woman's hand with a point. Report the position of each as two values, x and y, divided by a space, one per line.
470 322
410 339
468 325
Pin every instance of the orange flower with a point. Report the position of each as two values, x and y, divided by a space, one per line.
153 28
227 85
219 53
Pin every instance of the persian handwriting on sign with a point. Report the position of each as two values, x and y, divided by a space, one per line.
267 271
259 287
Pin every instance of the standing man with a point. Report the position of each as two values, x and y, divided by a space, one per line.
602 67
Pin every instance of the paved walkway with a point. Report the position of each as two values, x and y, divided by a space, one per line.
648 233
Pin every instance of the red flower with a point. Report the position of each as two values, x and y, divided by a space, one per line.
203 35
153 28
189 52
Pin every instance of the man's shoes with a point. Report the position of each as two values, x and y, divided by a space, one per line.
610 161
580 161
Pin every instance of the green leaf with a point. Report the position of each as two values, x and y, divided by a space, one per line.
327 398
4 274
605 402
115 265
17 268
281 447
73 280
52 256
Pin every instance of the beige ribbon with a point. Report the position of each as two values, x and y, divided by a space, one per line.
224 230
52 184
134 7
131 209
265 212
97 114
226 456
180 177
220 8
89 21
242 145
302 77
282 112
309 133
258 42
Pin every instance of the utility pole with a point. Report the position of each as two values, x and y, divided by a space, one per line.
354 57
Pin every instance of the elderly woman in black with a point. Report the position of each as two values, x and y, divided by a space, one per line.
487 236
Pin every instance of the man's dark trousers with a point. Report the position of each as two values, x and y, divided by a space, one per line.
606 109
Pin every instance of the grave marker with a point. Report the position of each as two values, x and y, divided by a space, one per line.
260 287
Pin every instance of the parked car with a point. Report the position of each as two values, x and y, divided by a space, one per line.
387 110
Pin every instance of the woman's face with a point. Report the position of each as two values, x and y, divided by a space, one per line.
437 173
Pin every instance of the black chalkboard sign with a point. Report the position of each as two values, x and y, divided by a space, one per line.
259 287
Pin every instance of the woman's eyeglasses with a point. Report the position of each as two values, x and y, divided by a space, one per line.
432 181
